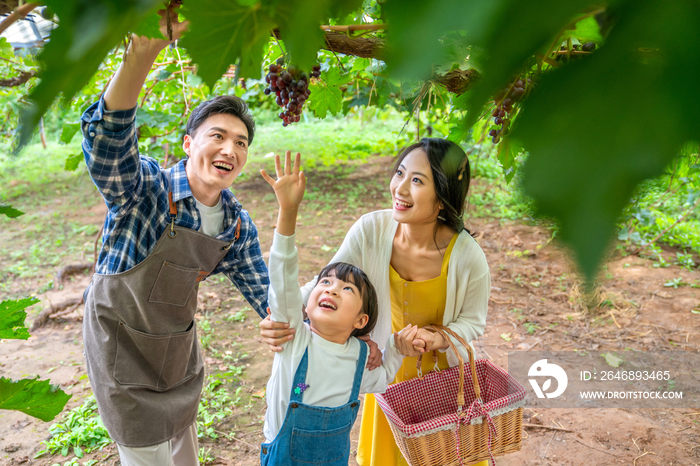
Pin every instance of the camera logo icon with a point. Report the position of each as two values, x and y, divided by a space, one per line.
542 368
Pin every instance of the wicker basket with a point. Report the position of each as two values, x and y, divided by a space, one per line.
438 421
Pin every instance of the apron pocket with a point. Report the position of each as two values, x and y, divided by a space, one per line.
174 285
158 362
320 446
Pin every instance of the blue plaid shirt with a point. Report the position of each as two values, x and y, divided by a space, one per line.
135 189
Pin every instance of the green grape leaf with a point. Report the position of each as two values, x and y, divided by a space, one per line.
220 36
87 31
6 209
586 30
325 99
590 148
37 398
12 318
6 50
508 150
458 131
68 131
72 162
325 93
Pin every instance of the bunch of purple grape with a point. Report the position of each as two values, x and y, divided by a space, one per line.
504 107
291 87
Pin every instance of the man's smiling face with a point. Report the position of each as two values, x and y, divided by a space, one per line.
217 152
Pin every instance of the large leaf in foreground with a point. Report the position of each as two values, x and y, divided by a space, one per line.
6 209
513 35
224 33
598 127
418 28
37 398
12 318
87 31
299 21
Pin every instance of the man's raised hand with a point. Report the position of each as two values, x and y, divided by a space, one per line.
123 91
144 46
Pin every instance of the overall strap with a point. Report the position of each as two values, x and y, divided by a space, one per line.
359 371
300 378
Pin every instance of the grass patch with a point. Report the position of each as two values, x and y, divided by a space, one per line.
80 431
37 173
51 231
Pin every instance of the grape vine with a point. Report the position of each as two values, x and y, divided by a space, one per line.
506 100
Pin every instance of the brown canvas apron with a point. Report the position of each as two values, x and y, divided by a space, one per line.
140 338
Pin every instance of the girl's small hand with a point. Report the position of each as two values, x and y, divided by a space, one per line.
404 341
291 182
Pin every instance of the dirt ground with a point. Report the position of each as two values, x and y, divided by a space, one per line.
535 301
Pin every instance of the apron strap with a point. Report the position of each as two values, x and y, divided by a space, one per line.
300 378
173 214
238 230
359 372
173 207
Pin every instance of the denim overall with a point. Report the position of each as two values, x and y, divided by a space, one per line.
313 434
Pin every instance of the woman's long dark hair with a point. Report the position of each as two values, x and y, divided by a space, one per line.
451 174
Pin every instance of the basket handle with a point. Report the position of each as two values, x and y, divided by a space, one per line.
442 330
419 364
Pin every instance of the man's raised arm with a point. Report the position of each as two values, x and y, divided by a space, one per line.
109 141
123 90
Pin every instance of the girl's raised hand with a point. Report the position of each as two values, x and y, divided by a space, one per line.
291 182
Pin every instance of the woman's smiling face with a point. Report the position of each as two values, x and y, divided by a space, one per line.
412 189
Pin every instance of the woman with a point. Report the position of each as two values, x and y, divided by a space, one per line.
425 266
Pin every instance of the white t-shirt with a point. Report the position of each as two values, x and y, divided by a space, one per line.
212 218
331 366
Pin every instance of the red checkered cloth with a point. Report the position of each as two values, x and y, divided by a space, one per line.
418 407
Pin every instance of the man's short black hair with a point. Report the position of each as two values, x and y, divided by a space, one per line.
228 104
370 304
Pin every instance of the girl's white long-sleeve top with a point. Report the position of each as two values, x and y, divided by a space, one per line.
331 366
368 245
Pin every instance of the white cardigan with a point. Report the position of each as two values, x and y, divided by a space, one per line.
368 245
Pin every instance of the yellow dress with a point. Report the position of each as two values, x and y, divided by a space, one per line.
417 303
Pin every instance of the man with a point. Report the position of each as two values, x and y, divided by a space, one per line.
166 230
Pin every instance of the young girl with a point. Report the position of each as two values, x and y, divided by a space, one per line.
312 394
